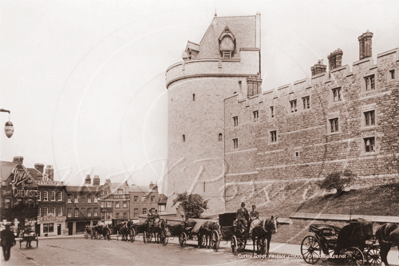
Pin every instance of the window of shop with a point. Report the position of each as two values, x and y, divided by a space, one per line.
102 216
136 198
69 212
136 212
117 204
52 196
109 216
59 196
89 212
70 199
152 198
45 196
117 215
120 191
95 212
76 199
102 204
89 199
109 204
51 211
48 228
125 204
76 213
39 198
125 215
39 212
144 210
95 199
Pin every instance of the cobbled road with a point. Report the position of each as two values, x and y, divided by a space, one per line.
100 252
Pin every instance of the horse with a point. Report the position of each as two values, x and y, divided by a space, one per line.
205 233
263 233
387 235
102 230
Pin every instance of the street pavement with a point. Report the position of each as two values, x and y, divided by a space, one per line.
79 251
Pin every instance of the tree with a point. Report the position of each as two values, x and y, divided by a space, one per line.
338 180
193 204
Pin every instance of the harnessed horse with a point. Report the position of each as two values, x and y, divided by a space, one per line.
263 233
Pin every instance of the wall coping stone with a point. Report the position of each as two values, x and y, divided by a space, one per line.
344 217
395 50
365 60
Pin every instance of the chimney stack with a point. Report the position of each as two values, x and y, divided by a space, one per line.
18 160
107 181
96 181
87 180
365 49
50 172
39 167
335 59
318 68
152 185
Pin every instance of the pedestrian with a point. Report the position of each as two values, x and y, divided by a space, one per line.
7 241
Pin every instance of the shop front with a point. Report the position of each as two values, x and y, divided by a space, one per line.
51 225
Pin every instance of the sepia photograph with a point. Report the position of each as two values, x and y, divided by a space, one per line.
199 132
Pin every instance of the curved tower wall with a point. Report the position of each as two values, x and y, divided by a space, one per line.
196 162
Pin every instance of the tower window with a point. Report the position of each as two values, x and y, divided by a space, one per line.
337 94
370 82
272 111
369 144
256 116
235 143
293 106
273 136
220 137
392 73
184 138
306 102
235 119
334 125
369 118
193 96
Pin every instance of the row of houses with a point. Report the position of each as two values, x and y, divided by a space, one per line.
33 194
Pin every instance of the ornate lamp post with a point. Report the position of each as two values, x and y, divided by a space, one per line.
9 127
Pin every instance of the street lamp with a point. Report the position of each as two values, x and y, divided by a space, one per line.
9 127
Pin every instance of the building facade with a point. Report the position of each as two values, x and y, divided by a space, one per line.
115 201
226 61
142 199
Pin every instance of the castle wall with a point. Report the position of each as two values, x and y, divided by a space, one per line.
306 151
196 163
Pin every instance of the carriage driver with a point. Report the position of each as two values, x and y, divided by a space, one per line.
150 217
242 216
254 219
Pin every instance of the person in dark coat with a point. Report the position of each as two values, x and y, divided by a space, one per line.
243 216
7 241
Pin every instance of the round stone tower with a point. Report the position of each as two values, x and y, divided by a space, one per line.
224 63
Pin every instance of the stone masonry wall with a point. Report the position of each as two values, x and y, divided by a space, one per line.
306 150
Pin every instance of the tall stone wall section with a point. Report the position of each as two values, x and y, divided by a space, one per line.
196 93
278 176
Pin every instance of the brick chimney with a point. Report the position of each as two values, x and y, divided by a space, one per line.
18 160
96 181
318 68
39 167
152 185
107 181
335 59
365 45
87 180
50 172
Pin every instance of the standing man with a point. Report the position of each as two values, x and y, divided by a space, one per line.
7 241
254 218
242 217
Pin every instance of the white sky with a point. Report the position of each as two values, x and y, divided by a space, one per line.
85 83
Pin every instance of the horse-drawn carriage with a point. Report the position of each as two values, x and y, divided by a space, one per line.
198 230
99 231
154 228
354 243
238 234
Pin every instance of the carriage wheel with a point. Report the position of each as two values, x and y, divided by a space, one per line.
163 237
183 239
234 247
373 256
37 242
202 241
144 237
132 235
354 256
242 244
215 240
310 250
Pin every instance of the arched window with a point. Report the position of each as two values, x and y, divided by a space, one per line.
193 96
220 137
184 138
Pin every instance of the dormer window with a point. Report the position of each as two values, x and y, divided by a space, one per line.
227 43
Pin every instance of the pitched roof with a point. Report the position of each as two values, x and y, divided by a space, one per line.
162 198
192 46
6 169
143 189
243 28
88 189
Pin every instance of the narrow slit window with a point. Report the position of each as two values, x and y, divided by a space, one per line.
369 82
256 116
334 125
293 106
369 118
235 119
184 138
235 143
337 95
220 137
193 97
272 111
392 73
369 144
273 136
306 102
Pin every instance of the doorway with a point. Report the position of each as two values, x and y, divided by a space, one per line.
59 229
70 228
